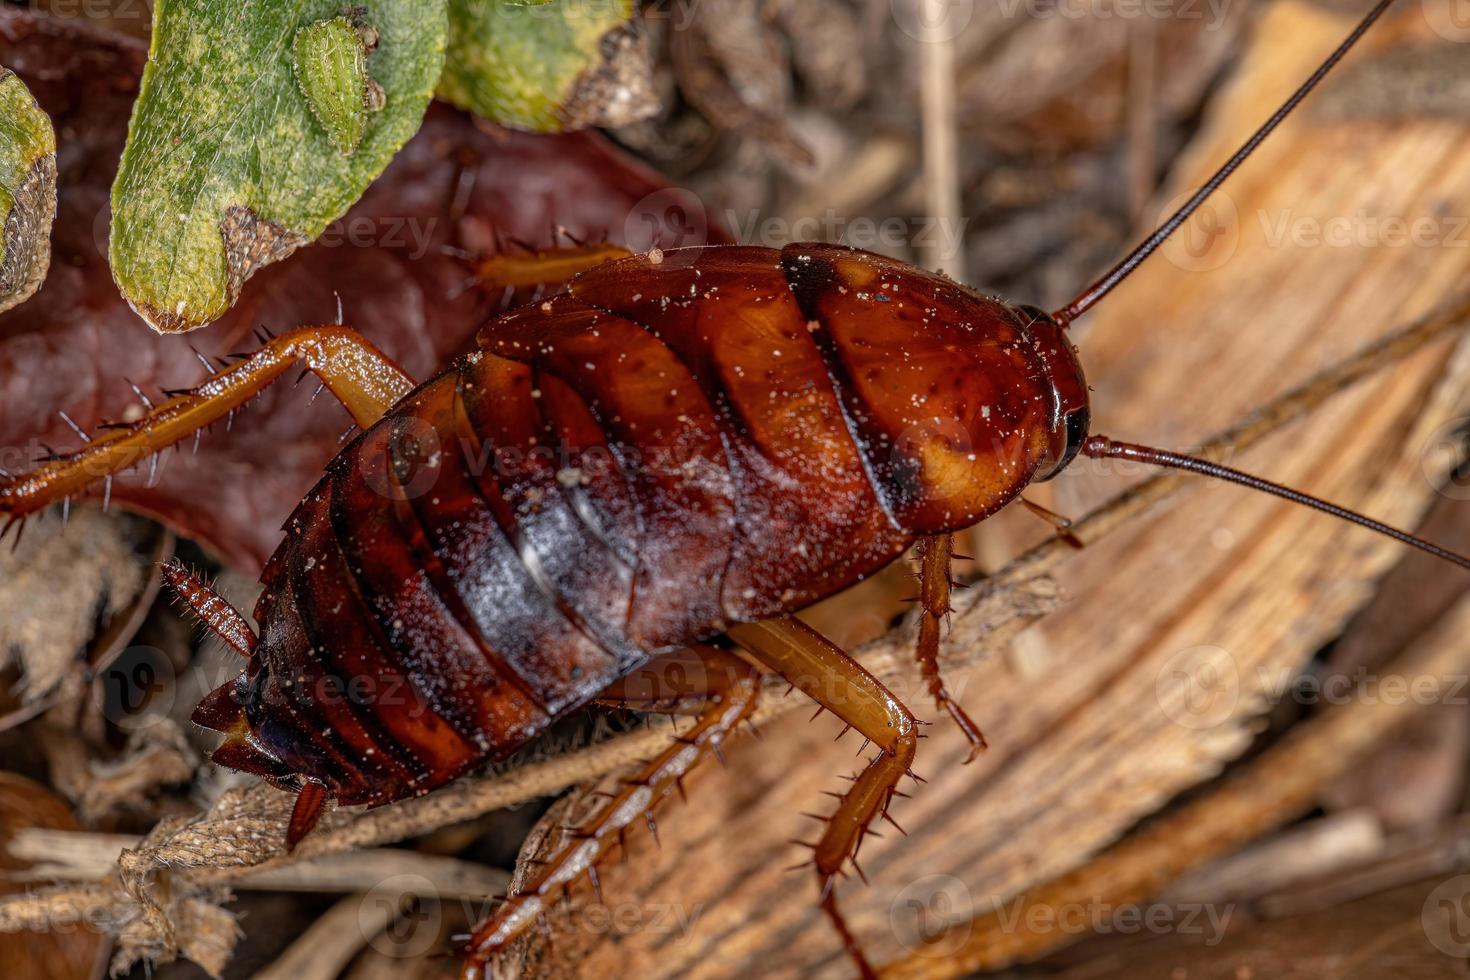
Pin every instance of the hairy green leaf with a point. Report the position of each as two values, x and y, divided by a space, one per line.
27 191
548 65
239 152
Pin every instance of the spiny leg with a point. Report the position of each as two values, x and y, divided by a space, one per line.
935 584
217 615
678 683
1062 524
524 267
827 675
220 711
552 265
356 372
725 688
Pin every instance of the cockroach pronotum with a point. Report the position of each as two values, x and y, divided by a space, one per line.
688 447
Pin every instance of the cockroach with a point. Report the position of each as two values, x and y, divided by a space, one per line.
622 496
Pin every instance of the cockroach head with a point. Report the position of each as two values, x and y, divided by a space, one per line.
1071 414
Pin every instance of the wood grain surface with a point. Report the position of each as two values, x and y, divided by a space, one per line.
1180 631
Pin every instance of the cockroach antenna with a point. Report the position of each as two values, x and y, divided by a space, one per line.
1101 447
217 615
1092 294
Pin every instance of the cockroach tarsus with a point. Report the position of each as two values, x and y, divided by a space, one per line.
671 456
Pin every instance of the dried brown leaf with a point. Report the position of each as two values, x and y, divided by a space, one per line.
732 67
61 587
156 756
826 42
65 955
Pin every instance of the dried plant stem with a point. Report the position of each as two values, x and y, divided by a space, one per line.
1280 785
323 951
941 146
60 855
1142 116
985 617
65 905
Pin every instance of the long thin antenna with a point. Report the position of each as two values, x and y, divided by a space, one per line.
1101 447
1122 270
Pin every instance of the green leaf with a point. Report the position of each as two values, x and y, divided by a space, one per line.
27 191
234 160
548 65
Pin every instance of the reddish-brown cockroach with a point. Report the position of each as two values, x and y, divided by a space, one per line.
676 448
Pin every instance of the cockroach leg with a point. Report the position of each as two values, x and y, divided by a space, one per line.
311 803
678 683
528 268
217 615
838 683
361 376
935 584
726 688
1062 524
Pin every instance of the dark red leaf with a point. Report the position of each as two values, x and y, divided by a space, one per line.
76 345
